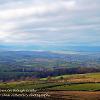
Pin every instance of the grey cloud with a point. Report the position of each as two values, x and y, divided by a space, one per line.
54 22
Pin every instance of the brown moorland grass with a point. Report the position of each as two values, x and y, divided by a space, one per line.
74 95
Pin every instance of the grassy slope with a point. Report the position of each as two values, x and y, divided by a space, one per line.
79 87
55 85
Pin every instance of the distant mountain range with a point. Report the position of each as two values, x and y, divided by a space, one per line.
18 64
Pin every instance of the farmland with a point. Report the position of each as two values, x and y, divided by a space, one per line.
61 76
67 84
87 82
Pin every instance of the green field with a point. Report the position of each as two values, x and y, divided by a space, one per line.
56 85
88 75
79 87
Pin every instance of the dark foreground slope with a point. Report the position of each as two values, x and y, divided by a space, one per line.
61 95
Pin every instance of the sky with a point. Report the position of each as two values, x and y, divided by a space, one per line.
59 25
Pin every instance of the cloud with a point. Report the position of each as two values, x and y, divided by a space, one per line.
23 9
49 22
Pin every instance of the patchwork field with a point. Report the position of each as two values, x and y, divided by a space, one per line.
64 87
89 81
